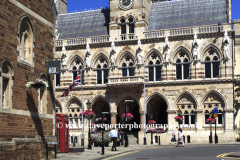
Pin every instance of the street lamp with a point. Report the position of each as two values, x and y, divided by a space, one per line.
125 130
103 128
89 133
210 137
151 117
179 113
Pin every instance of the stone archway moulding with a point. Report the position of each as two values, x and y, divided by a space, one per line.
216 93
129 95
157 94
189 94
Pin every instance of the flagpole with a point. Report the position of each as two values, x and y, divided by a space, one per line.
82 144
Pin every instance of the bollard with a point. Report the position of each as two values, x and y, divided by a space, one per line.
188 139
216 139
159 142
184 139
46 151
156 139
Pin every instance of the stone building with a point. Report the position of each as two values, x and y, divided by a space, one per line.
182 50
26 117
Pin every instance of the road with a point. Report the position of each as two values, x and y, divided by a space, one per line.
189 152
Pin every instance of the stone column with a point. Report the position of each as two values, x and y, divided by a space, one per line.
142 120
172 124
113 118
199 120
228 118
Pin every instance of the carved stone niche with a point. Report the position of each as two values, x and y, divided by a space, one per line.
185 100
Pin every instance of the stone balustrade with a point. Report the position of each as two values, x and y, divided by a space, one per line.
125 80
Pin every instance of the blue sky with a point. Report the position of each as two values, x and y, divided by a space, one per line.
77 5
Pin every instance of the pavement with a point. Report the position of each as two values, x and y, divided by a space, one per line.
222 150
96 152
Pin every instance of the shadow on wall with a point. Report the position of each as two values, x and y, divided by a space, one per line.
33 109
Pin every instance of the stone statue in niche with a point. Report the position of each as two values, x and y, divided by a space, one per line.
167 47
113 48
87 55
63 57
113 58
225 45
139 51
195 48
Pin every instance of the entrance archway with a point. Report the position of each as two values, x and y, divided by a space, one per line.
99 106
157 110
133 108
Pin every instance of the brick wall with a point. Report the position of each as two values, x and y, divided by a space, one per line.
20 125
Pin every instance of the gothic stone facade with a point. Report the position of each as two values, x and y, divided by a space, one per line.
26 117
185 68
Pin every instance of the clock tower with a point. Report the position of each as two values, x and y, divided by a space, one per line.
128 18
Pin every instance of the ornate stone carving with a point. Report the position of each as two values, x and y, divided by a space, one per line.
139 52
112 54
228 110
195 48
113 114
225 45
171 111
87 55
141 113
198 111
167 52
63 57
212 98
185 100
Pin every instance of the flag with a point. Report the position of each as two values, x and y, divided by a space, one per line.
76 82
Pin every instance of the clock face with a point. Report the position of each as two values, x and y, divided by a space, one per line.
125 4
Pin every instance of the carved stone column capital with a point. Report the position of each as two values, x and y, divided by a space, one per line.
198 111
113 114
228 110
141 113
171 111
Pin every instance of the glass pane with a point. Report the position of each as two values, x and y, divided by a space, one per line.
215 69
220 119
192 119
131 28
74 75
123 29
124 72
131 71
179 71
99 76
57 79
150 73
207 70
186 71
206 117
158 73
105 75
5 83
186 119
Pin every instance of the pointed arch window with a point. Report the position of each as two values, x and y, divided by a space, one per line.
192 115
206 115
178 69
131 25
75 121
99 75
70 121
131 69
208 68
124 70
220 117
57 80
105 72
74 71
158 71
6 82
26 41
150 71
212 65
186 118
43 97
185 69
123 26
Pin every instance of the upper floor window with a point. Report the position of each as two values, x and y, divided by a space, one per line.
127 70
6 84
26 42
154 71
131 25
43 97
212 65
76 67
123 26
182 69
102 70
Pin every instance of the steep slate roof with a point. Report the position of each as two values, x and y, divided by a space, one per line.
83 24
186 13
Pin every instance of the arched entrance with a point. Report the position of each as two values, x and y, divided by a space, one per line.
133 108
157 110
99 106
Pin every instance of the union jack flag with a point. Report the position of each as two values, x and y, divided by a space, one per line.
76 82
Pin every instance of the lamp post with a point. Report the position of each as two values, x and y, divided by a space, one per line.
89 133
103 128
125 130
216 112
179 113
210 137
151 117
